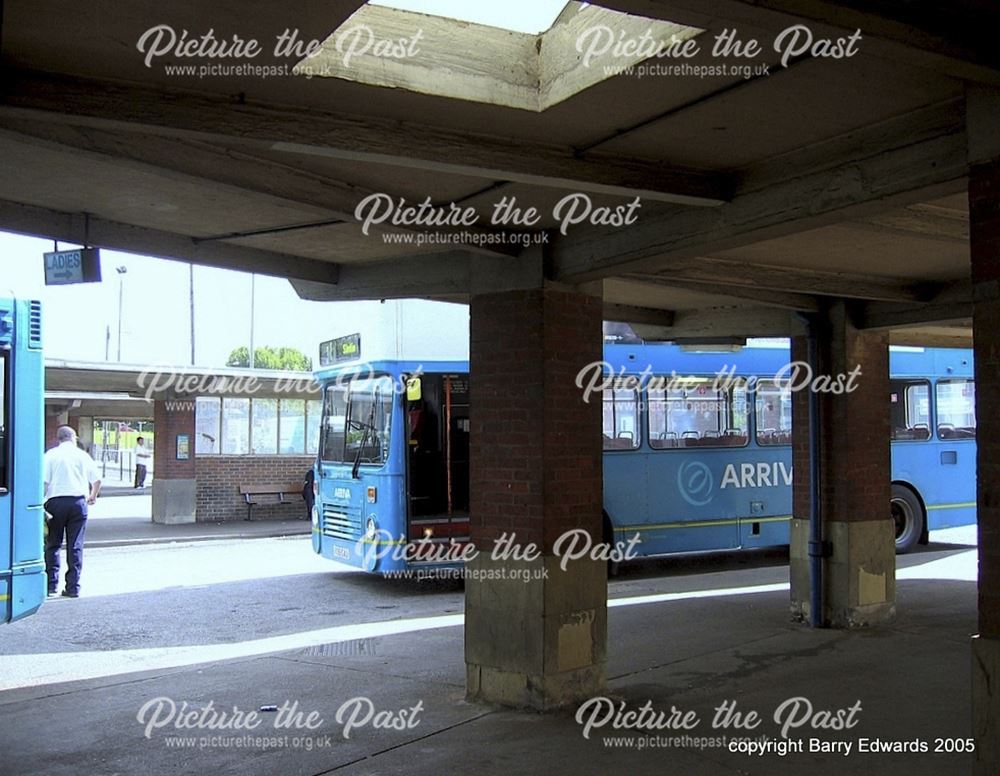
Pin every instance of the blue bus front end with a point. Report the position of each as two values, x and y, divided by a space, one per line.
392 469
22 562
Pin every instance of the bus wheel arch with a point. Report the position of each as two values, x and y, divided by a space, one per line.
909 517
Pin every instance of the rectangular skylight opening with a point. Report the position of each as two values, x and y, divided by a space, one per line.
532 17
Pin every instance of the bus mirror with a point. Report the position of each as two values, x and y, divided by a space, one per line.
413 392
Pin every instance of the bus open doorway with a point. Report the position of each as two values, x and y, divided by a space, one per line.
437 482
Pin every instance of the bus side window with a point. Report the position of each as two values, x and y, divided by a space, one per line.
774 413
909 410
3 420
621 419
956 409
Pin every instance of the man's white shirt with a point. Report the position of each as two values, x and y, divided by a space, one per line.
69 471
143 455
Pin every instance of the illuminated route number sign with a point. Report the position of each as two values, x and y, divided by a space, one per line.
341 349
80 265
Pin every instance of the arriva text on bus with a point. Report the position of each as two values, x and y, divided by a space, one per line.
599 376
574 544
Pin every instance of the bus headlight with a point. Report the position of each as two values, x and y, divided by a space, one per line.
315 516
371 528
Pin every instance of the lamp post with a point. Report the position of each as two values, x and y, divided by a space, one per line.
191 300
253 294
121 295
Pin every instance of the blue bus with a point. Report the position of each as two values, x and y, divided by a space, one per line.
697 452
22 423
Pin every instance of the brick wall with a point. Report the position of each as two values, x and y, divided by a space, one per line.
984 225
854 454
170 421
535 465
52 424
219 479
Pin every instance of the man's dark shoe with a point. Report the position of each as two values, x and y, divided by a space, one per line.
67 594
53 593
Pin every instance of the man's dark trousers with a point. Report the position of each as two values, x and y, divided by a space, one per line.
140 475
69 519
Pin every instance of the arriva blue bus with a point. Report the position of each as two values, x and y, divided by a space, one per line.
22 423
697 451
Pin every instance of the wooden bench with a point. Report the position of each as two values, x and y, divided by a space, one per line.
252 493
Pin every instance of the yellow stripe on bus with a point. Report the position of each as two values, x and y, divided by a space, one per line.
703 523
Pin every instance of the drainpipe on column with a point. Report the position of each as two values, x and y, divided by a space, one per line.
817 548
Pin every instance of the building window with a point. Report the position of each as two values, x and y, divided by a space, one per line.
208 413
264 439
236 426
314 414
292 427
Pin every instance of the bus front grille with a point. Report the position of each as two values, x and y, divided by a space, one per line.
340 524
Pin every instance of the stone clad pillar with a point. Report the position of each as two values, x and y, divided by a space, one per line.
859 585
535 635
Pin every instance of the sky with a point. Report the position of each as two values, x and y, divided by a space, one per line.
156 311
530 16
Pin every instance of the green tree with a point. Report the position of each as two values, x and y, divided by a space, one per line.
286 359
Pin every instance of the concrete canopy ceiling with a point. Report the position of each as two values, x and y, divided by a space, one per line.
759 196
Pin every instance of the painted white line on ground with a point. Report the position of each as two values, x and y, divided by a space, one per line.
51 668
55 667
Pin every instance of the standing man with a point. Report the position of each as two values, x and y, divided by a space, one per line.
143 457
71 484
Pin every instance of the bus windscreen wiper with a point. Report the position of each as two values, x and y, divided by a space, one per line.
369 427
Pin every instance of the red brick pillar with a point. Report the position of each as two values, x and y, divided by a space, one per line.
175 485
984 218
52 424
859 570
537 640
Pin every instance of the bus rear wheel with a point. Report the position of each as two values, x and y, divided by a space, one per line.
908 518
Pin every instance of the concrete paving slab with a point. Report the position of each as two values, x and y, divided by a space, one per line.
910 680
683 640
99 731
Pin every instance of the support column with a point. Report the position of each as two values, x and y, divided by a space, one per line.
535 634
85 431
859 570
53 420
984 226
174 486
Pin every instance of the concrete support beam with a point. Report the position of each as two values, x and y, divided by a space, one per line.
41 97
756 278
859 569
536 637
75 228
901 161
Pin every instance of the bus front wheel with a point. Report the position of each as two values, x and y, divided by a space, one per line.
908 518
